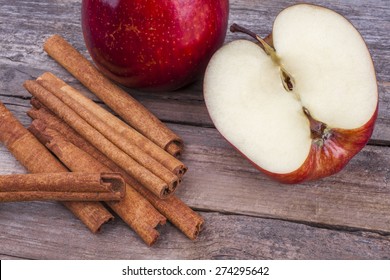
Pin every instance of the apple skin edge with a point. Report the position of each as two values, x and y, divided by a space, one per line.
330 157
154 45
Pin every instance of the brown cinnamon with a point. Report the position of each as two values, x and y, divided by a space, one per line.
130 149
177 212
127 132
64 186
37 159
133 168
117 99
136 211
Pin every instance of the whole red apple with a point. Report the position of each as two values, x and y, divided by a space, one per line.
154 45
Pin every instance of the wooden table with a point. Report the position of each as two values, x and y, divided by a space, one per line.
248 216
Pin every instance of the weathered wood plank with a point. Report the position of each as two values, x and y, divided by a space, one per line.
27 23
7 257
22 56
36 230
358 197
185 106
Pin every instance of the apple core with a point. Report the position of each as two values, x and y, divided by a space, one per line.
301 107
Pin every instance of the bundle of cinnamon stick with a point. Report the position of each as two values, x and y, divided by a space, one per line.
87 139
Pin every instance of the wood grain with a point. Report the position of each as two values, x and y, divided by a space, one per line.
6 257
242 238
186 106
358 197
354 204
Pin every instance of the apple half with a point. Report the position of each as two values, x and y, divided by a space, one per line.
302 106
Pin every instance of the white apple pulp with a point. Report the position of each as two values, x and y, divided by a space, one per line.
333 78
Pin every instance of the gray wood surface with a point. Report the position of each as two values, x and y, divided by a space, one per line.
248 216
224 237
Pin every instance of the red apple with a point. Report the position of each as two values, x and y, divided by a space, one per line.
301 108
154 45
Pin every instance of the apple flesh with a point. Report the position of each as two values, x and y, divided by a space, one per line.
302 108
153 45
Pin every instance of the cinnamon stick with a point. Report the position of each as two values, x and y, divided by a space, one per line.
136 211
128 133
133 168
117 99
176 211
63 186
130 149
37 159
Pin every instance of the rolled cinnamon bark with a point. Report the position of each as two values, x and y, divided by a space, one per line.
136 211
64 186
130 149
133 112
37 159
176 211
128 133
140 173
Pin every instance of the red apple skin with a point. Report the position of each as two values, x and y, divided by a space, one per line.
153 44
330 157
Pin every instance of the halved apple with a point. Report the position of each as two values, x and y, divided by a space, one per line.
300 108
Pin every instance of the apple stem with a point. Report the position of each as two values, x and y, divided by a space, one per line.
319 130
287 79
238 28
268 49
